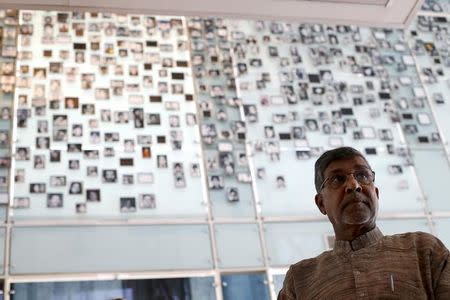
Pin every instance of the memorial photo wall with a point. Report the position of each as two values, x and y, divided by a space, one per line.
310 88
111 110
106 118
428 38
8 47
223 130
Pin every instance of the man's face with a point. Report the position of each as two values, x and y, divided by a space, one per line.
352 203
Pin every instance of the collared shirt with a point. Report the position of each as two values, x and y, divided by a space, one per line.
373 266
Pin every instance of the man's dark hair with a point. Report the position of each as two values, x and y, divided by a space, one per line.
329 156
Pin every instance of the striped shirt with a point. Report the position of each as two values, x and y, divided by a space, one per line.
373 266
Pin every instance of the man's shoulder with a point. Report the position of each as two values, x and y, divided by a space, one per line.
311 263
416 239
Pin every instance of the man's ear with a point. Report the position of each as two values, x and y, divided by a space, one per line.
319 202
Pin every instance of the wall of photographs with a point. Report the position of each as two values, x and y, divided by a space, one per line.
204 132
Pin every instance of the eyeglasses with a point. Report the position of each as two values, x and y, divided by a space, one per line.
363 176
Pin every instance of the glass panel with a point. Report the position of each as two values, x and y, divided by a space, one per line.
238 245
442 230
2 250
109 248
390 227
125 148
251 286
288 243
433 172
173 288
278 282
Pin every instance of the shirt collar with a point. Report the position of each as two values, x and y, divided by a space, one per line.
362 241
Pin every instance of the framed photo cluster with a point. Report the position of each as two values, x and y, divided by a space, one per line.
223 132
308 87
8 48
104 102
427 37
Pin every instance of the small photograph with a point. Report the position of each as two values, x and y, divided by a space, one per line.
57 180
144 140
109 176
127 179
174 121
303 154
39 162
74 148
5 113
191 119
42 126
88 109
121 117
55 155
153 119
395 169
74 164
138 117
108 152
180 180
21 202
92 171
261 173
71 103
195 170
280 183
241 159
311 124
102 94
105 115
145 177
232 194
93 195
172 105
22 153
147 201
146 152
55 200
59 135
80 208
251 113
37 188
77 130
128 145
19 175
161 161
60 121
298 132
94 137
127 204
76 188
215 182
269 132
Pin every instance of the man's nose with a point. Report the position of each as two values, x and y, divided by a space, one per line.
352 185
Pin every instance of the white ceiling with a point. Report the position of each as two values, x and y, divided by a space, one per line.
386 13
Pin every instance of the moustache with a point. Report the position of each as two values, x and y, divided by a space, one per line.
355 198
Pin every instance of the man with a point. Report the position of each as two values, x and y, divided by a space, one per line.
364 264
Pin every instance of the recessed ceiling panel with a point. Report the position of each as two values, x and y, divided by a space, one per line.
385 13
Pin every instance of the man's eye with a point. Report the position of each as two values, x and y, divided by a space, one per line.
362 176
339 178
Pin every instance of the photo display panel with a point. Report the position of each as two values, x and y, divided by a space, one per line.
309 88
427 37
8 48
101 104
222 128
436 6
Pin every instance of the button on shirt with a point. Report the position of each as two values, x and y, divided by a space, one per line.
373 266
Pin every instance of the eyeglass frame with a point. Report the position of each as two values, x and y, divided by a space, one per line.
347 174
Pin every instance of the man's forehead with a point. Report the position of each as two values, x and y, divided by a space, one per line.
343 164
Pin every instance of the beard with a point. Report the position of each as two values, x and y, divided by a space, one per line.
357 211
